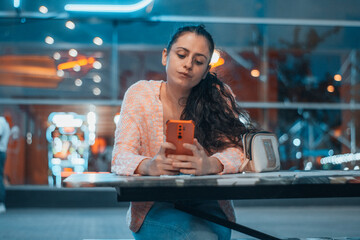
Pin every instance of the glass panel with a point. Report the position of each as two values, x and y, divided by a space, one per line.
308 136
294 65
53 65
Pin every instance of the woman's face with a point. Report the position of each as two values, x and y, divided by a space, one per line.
187 62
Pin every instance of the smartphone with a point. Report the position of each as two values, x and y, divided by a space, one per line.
179 132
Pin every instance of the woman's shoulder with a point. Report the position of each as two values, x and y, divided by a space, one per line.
144 87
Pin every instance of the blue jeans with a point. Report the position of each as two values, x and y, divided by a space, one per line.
2 186
164 222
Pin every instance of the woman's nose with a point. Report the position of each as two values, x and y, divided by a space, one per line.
188 63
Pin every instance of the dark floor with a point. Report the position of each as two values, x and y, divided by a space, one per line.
109 223
335 219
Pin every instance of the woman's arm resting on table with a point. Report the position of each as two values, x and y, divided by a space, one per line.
158 165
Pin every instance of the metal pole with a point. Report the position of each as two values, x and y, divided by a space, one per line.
352 101
114 63
265 75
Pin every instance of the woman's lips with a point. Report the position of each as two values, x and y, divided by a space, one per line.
184 75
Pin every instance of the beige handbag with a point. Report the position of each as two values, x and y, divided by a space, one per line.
261 152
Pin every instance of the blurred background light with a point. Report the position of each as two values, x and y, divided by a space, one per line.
116 118
49 40
91 117
308 166
97 65
43 9
255 73
78 82
70 25
96 78
66 120
215 57
330 88
297 142
73 52
60 73
107 8
96 91
98 41
77 68
337 77
16 3
341 158
57 56
72 64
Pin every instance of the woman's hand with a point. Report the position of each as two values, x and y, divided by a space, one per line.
159 164
199 163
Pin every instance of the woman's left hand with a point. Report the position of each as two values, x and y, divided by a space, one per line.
199 163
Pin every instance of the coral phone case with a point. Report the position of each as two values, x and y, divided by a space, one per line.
179 132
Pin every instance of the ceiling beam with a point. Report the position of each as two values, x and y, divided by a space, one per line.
267 21
189 19
247 105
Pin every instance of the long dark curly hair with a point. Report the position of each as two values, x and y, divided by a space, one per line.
219 121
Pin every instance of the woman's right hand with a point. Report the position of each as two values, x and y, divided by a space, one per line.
159 164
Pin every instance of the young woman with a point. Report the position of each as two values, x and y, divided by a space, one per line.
189 92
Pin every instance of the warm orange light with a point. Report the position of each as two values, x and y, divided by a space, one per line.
69 129
91 60
337 77
331 88
318 161
255 73
337 132
220 62
65 174
99 146
80 62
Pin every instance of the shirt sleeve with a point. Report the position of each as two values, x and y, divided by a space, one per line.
231 159
126 155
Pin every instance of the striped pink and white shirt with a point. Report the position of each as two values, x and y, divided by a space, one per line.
139 135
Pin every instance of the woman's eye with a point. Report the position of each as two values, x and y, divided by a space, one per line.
198 62
181 56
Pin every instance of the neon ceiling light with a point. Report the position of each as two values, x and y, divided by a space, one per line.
107 7
16 3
